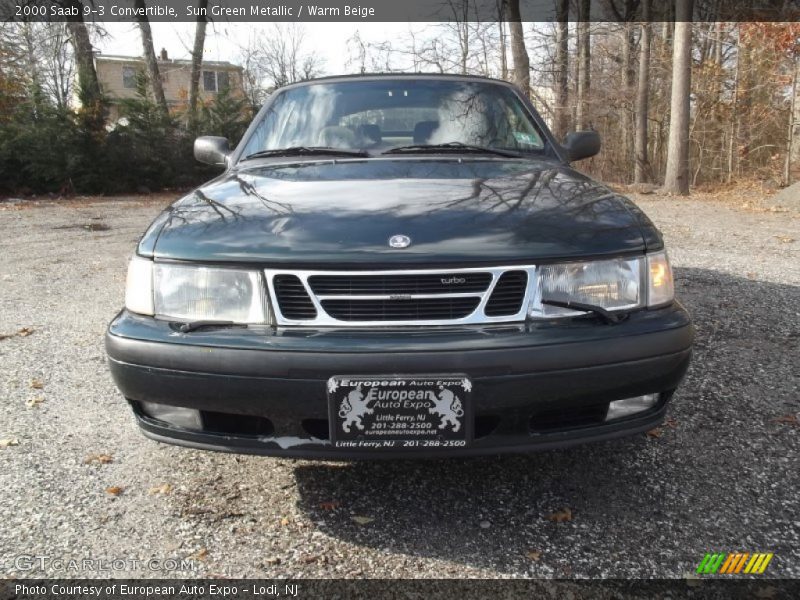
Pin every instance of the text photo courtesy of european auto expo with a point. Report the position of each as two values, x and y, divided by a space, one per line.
421 300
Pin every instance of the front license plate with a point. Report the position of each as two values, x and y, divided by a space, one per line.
396 411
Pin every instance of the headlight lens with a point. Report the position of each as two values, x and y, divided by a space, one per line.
617 284
611 284
206 293
139 286
660 283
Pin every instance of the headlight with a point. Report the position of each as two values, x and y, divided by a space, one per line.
139 286
206 293
619 284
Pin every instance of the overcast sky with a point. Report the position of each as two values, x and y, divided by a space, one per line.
223 39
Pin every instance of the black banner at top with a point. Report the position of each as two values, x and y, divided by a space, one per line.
367 11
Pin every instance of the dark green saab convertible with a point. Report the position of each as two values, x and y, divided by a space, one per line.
398 266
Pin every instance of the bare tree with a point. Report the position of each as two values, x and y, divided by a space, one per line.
641 166
357 53
285 58
584 64
49 64
562 68
281 57
677 173
197 61
150 57
522 65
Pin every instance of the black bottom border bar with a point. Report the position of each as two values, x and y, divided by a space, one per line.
407 589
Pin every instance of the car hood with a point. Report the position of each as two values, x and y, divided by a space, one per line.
344 212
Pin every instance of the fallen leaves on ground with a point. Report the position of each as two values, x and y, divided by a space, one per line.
164 488
285 521
34 402
114 490
329 505
24 332
98 459
789 419
560 516
6 442
36 384
533 555
657 432
784 239
671 423
362 520
201 554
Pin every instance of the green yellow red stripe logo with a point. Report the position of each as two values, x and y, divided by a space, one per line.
734 563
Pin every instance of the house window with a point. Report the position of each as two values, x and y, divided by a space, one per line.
223 80
210 81
215 81
129 77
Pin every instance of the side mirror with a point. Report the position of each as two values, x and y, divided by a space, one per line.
212 150
581 144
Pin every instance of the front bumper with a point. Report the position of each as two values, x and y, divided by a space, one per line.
535 385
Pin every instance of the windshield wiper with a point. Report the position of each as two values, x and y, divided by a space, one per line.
451 147
197 325
307 151
607 316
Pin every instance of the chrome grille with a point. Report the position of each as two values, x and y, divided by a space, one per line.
400 297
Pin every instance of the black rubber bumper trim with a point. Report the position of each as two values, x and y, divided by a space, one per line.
321 450
537 356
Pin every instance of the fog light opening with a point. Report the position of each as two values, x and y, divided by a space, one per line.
619 409
186 418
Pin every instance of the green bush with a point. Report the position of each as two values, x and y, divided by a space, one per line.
43 149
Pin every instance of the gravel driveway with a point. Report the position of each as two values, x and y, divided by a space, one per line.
722 475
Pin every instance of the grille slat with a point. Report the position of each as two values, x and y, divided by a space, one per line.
508 294
439 283
293 299
400 310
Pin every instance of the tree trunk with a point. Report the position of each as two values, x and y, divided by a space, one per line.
562 68
503 57
150 58
197 62
641 164
522 65
734 111
32 66
584 62
627 92
793 142
677 174
89 92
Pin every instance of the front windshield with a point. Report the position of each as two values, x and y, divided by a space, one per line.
379 115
